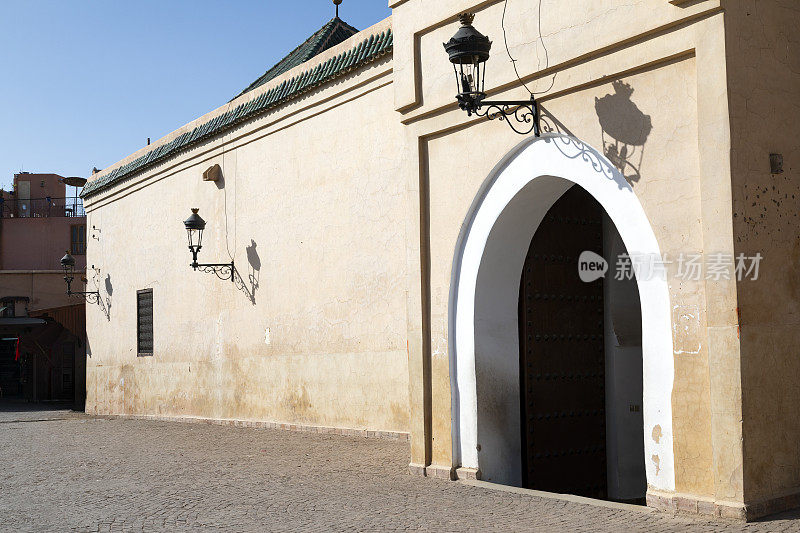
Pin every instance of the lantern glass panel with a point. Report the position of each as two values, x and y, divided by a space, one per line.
470 77
195 238
68 264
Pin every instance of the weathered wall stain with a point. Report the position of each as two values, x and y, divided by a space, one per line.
770 210
687 329
656 433
298 403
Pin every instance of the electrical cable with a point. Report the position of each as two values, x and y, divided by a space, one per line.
538 64
225 205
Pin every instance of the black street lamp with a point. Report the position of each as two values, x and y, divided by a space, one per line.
468 51
195 225
68 264
194 229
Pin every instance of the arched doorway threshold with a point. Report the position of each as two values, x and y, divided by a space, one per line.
484 294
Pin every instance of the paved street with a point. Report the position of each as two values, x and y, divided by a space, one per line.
68 472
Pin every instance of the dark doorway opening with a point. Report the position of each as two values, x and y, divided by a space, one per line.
43 357
581 428
11 372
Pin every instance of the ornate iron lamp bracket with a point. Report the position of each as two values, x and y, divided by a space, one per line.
522 116
92 297
68 264
224 271
194 228
468 51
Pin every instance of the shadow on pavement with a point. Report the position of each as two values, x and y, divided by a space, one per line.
22 411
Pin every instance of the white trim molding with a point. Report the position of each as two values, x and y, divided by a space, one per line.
487 266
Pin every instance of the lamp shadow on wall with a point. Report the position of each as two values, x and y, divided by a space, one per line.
625 129
250 286
109 291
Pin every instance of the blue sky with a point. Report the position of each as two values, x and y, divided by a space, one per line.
85 82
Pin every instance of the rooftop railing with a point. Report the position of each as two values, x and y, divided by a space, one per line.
41 207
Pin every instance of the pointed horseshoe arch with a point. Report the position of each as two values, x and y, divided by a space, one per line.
490 253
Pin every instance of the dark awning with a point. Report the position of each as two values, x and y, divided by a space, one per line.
17 325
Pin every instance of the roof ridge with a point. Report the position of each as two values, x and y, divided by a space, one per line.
330 34
316 36
323 45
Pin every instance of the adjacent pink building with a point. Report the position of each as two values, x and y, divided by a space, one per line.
42 330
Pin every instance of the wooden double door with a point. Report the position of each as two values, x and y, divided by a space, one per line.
562 354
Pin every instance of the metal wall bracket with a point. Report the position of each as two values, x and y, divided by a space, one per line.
523 112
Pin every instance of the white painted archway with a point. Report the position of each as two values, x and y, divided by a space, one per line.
484 295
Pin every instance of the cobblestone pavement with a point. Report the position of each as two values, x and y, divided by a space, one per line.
79 473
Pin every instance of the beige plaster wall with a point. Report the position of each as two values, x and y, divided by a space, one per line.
309 214
354 210
683 183
764 84
574 32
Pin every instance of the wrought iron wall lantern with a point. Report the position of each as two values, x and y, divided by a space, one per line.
194 229
68 264
469 51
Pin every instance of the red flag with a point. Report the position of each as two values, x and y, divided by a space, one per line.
16 352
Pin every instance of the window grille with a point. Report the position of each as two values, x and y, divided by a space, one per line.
78 240
144 322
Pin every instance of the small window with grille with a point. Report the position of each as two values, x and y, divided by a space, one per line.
144 322
78 240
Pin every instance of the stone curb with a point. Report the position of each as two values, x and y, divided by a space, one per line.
257 424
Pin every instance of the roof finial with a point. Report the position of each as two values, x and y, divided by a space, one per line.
336 3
